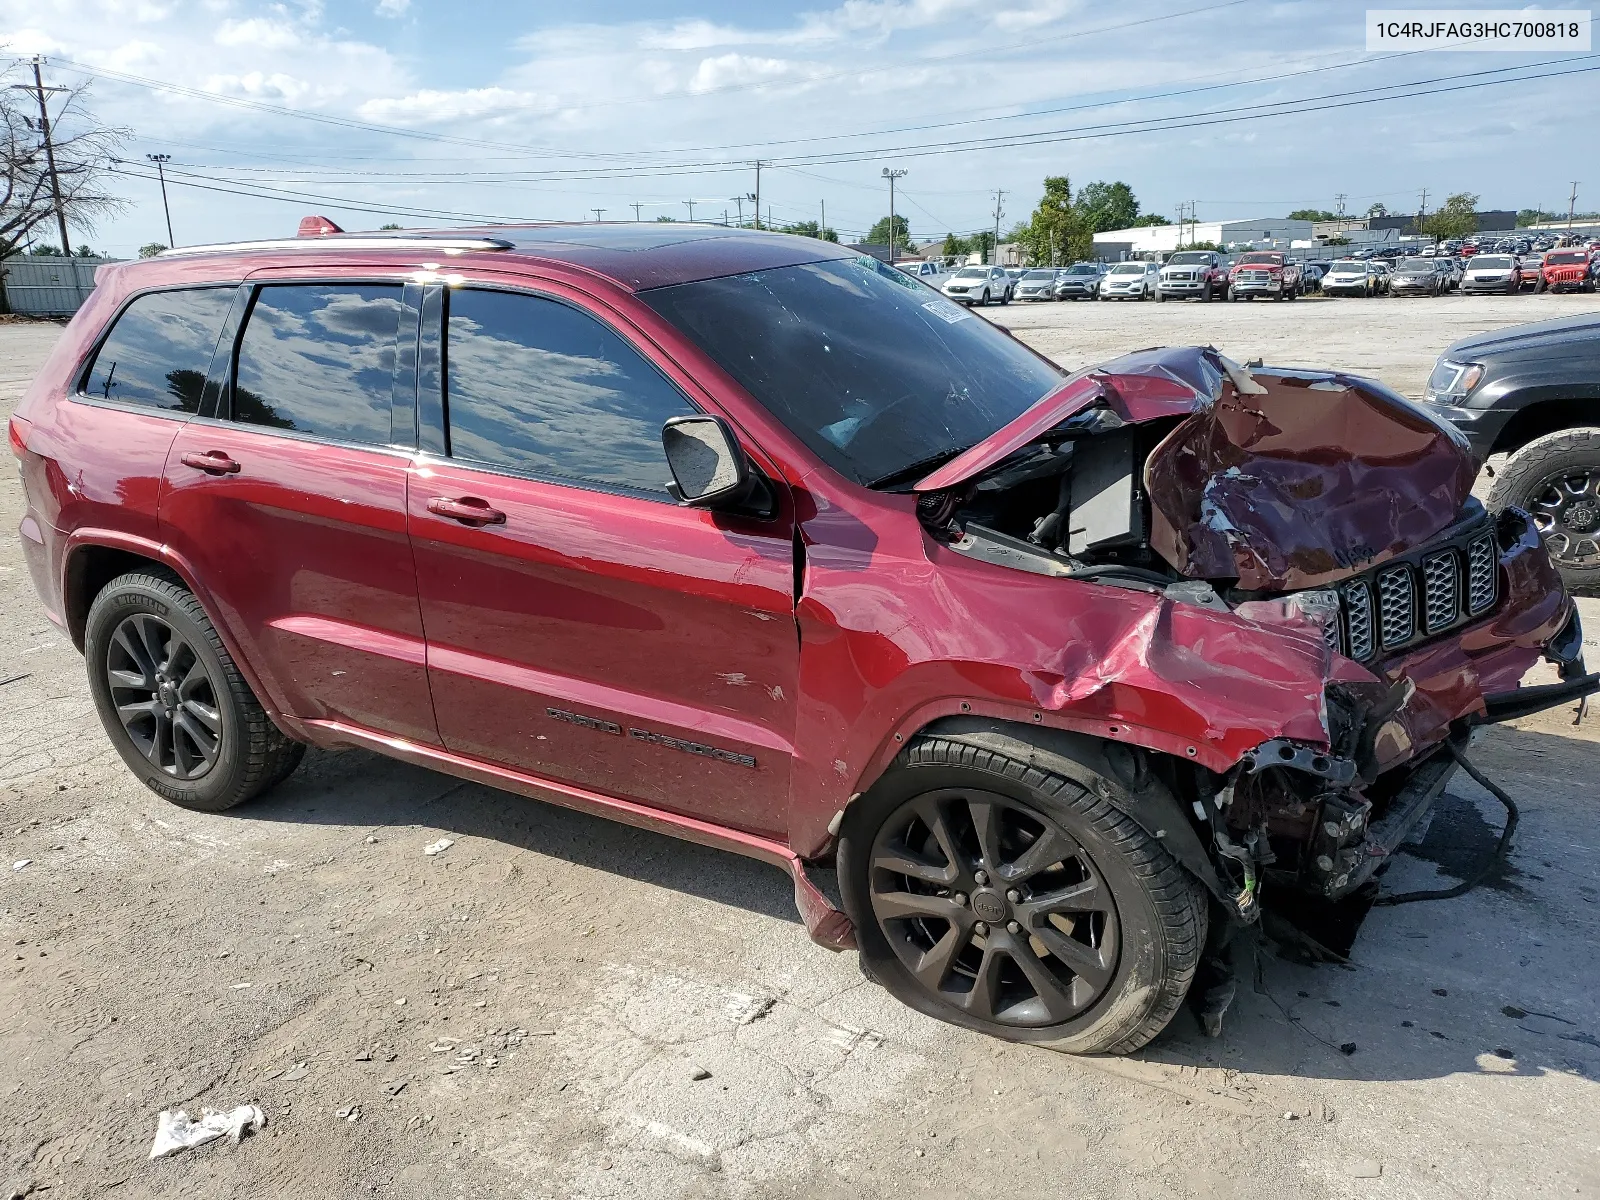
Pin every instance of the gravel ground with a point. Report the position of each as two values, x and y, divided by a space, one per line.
525 1014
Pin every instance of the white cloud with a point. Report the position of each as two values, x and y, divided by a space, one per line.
392 8
727 69
423 107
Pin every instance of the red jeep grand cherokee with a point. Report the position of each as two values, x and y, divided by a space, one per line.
746 539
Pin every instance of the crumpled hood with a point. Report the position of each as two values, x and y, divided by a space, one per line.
1291 479
1278 478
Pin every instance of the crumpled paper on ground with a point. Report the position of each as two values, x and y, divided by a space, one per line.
175 1131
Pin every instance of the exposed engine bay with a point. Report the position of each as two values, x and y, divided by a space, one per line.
1306 504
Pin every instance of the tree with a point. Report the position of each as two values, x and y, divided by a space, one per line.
86 251
1341 240
1378 210
809 229
667 220
150 249
1457 217
1313 214
982 244
878 235
85 154
1057 232
1102 206
45 250
956 247
1150 219
390 225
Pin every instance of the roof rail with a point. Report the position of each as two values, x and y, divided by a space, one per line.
363 241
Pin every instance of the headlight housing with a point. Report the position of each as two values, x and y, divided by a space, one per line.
1451 382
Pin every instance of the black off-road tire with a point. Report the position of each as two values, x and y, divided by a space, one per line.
1162 911
252 755
1527 476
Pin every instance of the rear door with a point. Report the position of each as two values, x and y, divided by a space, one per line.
288 498
581 625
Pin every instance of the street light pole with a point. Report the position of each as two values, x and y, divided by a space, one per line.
161 161
891 176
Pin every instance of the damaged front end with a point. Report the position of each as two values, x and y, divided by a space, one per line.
1312 507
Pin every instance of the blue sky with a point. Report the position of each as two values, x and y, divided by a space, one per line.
543 111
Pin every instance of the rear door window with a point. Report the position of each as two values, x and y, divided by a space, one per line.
319 359
160 349
537 386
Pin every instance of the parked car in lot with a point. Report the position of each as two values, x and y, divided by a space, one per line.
748 539
1351 277
1533 391
1419 277
1193 274
1532 266
1131 281
1311 274
1501 273
1080 281
931 273
1038 284
979 285
1264 273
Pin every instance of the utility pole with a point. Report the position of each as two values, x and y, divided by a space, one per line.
756 196
1341 198
891 176
822 229
636 217
597 212
161 161
690 203
1572 205
39 90
999 196
1422 210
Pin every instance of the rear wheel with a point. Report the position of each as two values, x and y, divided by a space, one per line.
1556 480
993 892
1205 293
173 702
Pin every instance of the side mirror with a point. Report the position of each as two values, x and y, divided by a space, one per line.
709 468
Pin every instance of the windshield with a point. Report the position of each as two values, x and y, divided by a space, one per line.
1566 257
1348 266
1491 262
1188 258
1083 269
1128 269
868 368
973 273
1040 275
1415 268
1263 260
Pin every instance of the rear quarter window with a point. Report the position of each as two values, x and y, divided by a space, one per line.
159 350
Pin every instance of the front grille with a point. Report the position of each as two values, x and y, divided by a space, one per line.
1254 277
1441 593
1424 594
1358 620
1481 572
1396 607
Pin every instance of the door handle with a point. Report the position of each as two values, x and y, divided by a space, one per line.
212 462
469 510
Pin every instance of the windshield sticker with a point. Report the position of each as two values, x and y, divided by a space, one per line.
947 311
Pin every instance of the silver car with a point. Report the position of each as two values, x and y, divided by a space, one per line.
978 285
1038 284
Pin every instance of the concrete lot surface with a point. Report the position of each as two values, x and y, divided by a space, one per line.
525 1014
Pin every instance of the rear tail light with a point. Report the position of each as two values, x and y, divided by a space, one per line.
17 433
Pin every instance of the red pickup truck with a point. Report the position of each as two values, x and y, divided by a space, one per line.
1264 273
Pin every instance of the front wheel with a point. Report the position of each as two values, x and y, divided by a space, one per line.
1556 480
1205 293
172 701
984 302
1006 299
992 889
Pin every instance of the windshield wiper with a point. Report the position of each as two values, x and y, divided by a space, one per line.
913 471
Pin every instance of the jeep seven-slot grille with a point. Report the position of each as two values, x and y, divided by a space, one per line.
1420 596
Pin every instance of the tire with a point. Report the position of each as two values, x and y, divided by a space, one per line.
140 627
984 302
1153 924
1538 285
1161 297
1205 293
1529 479
1006 299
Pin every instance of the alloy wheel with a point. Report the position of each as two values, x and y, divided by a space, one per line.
164 696
993 908
1566 511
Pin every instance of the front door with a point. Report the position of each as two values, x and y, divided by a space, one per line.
581 625
290 504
